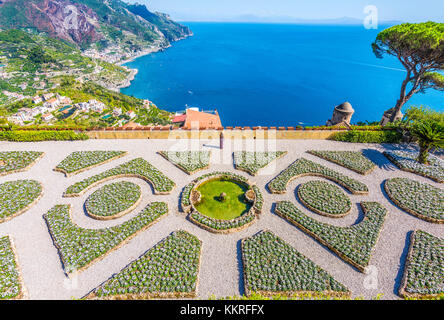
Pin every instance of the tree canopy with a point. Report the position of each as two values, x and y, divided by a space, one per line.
420 49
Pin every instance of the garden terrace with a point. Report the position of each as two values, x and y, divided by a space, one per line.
138 168
271 266
168 270
353 244
16 197
420 199
11 284
81 161
303 167
79 247
238 209
353 160
113 201
188 161
407 161
253 162
424 270
324 198
17 161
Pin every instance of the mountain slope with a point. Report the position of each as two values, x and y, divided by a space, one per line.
86 22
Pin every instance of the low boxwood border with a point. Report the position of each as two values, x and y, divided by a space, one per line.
420 242
216 225
406 161
137 168
352 160
366 232
343 292
7 244
62 228
317 210
28 206
303 167
388 184
115 215
107 157
34 157
189 155
153 295
254 169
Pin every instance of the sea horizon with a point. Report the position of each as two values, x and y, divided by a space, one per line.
296 77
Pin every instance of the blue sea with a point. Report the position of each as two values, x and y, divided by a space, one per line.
274 74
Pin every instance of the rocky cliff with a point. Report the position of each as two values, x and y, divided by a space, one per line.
86 22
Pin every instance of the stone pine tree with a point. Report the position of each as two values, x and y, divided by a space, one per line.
420 49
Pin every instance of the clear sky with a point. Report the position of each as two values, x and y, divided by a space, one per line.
210 10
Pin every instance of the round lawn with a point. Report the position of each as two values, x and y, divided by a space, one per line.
230 206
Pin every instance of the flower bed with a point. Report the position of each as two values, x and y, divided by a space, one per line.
17 161
217 225
253 162
138 168
18 196
168 270
11 284
420 199
81 161
188 161
113 200
79 247
407 161
303 167
353 244
424 270
324 198
271 266
352 160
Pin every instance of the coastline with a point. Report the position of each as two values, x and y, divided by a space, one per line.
145 52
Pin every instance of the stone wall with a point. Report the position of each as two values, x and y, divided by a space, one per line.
229 133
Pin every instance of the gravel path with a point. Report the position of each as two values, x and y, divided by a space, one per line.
221 267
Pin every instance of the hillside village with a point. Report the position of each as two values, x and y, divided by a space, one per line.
50 107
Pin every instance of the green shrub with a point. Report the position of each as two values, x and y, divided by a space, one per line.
32 136
385 136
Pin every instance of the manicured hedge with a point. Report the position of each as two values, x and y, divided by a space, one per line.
113 199
385 136
424 271
420 199
78 161
168 270
16 161
79 247
272 266
253 162
34 136
324 198
134 168
353 244
407 161
304 167
11 286
17 196
188 161
352 160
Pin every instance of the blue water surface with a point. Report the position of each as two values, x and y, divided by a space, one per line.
274 74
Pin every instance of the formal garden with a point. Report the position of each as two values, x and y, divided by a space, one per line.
334 205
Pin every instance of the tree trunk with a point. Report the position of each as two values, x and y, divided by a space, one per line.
423 153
